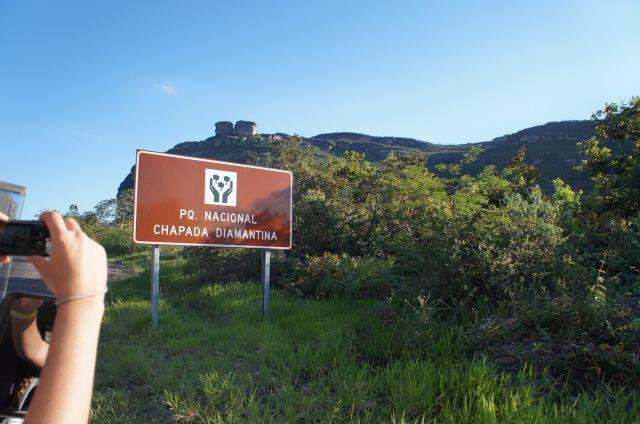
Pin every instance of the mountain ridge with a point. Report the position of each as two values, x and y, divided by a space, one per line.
550 146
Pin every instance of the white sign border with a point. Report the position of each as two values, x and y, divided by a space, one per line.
135 203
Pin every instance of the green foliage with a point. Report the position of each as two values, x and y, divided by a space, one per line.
109 223
465 240
117 240
606 225
105 210
482 253
612 158
124 208
577 343
225 264
565 197
87 220
330 276
522 176
454 169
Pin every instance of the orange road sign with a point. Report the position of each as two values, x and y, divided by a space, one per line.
181 200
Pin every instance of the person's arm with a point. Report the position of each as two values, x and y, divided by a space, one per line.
24 330
76 268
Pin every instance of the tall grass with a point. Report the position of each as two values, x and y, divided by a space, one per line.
215 359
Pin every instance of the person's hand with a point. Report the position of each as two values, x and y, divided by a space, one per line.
4 259
77 265
26 305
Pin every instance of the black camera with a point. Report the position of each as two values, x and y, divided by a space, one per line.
23 238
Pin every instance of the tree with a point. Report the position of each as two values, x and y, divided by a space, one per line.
124 208
521 175
105 210
73 210
291 154
612 158
454 169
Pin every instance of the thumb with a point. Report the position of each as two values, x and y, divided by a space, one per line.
41 264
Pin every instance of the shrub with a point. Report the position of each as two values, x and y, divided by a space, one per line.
575 341
486 253
116 240
223 265
331 275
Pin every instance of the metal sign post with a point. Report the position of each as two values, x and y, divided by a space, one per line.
266 274
155 284
188 201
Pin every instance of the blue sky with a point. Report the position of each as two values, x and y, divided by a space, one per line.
83 84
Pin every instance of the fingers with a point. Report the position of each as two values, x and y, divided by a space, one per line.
55 223
72 225
3 217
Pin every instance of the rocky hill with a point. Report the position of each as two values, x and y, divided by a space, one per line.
552 147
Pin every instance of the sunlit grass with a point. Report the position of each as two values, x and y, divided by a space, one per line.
215 359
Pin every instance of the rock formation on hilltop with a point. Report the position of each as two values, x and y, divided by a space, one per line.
244 128
241 128
224 128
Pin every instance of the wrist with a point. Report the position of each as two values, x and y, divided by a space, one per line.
72 290
99 294
86 308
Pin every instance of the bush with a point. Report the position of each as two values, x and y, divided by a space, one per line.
116 240
331 275
224 265
575 341
488 254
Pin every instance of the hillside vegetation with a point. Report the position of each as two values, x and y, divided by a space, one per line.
445 296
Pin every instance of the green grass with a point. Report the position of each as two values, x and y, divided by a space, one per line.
215 359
